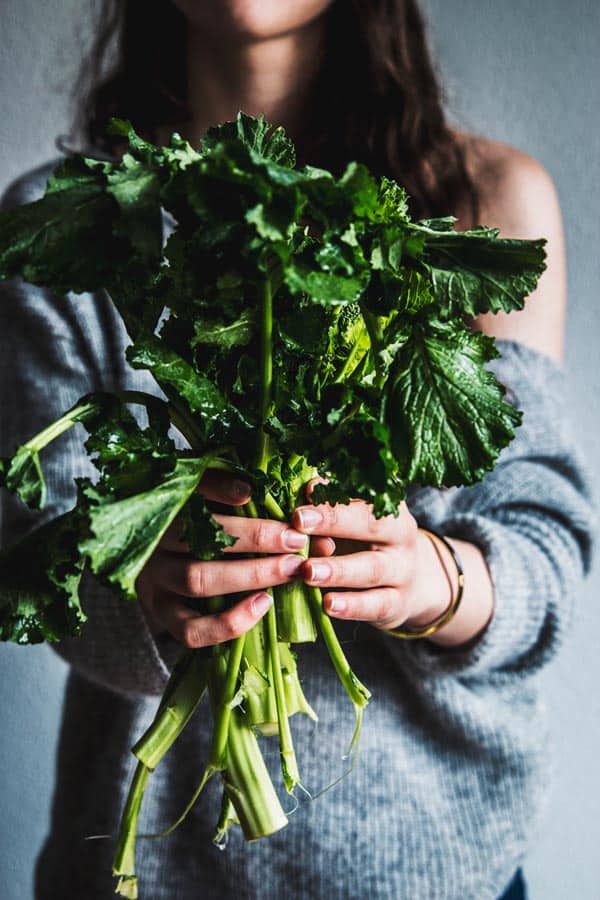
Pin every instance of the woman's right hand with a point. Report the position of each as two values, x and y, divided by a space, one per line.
171 573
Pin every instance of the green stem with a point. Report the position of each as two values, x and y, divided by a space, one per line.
295 621
376 337
183 693
124 858
358 693
289 765
218 752
78 413
273 508
222 691
266 372
248 785
227 818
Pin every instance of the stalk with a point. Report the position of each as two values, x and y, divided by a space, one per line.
186 688
260 709
266 373
78 413
358 693
227 818
377 339
248 785
222 691
295 622
182 694
295 700
287 755
124 858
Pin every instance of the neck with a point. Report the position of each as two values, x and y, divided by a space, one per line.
272 76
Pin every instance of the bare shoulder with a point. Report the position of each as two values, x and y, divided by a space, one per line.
517 193
518 196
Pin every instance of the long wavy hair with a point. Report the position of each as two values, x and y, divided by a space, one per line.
377 97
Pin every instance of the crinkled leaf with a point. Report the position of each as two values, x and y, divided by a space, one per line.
39 584
125 532
262 139
129 458
324 287
225 334
201 531
476 272
170 369
446 413
22 474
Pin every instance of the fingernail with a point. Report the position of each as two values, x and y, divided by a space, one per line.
291 565
261 603
309 518
293 540
336 604
319 571
239 489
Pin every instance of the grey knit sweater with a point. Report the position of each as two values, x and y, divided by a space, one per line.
453 766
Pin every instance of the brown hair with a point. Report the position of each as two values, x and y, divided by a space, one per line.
377 100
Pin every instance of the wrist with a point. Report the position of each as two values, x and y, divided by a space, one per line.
435 582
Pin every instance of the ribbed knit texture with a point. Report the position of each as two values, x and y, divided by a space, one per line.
453 766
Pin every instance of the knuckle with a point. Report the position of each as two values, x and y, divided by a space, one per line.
230 625
192 634
393 608
387 609
261 534
330 514
377 567
373 526
195 580
258 572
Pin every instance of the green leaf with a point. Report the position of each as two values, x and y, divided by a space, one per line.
262 139
22 474
324 287
475 272
39 584
170 369
124 533
206 538
65 240
392 202
446 414
225 334
130 459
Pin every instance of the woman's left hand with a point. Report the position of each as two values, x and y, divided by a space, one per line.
394 577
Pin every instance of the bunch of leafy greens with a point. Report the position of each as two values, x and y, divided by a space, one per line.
296 323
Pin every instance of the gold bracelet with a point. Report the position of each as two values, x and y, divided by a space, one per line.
449 613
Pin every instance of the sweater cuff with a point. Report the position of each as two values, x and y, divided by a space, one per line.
526 624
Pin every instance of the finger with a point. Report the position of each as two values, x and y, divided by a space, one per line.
224 487
253 536
195 631
371 568
384 607
310 485
322 546
191 578
354 520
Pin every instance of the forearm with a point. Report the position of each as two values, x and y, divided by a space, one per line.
437 583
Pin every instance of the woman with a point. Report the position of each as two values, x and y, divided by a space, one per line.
448 785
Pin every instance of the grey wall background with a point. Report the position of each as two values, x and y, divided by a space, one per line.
520 71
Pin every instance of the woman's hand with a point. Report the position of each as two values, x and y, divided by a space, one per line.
172 573
394 576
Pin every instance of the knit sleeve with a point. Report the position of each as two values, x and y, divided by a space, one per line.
533 519
53 350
